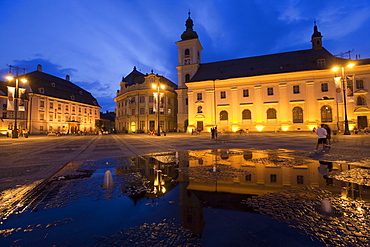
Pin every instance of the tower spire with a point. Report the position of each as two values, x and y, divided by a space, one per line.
316 38
189 32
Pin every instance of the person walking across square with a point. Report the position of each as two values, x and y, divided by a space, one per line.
321 134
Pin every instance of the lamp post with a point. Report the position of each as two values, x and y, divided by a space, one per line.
344 85
158 87
16 95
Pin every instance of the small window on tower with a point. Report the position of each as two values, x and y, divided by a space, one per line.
187 53
187 77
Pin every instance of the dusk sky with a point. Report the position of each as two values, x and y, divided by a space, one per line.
98 42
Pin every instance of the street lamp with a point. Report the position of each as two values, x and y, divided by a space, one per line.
344 85
158 87
16 95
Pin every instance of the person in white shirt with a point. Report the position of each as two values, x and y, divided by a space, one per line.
321 133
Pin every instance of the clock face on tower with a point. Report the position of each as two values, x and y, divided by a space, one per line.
187 61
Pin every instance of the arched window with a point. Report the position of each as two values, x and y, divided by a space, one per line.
361 100
187 53
246 114
326 114
187 77
224 115
297 115
271 113
200 109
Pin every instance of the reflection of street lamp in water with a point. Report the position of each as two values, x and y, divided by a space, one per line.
16 96
344 85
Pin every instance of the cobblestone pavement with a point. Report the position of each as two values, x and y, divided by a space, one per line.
28 160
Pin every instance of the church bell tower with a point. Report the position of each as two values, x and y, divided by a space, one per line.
188 52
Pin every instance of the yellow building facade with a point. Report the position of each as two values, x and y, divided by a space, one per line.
136 105
292 91
52 105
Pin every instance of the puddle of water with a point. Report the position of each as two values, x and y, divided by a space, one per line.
196 198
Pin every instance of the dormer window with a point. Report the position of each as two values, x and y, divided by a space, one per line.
41 90
52 84
321 62
72 97
80 92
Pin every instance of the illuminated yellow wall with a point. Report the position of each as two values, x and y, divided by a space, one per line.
310 98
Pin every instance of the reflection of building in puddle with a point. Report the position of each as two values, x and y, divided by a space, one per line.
287 188
250 171
158 171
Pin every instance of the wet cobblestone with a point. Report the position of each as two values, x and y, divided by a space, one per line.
166 233
348 224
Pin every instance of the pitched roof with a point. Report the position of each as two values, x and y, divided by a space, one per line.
302 60
48 85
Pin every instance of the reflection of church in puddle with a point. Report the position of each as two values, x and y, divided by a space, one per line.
221 179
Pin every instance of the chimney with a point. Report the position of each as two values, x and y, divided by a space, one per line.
67 78
39 67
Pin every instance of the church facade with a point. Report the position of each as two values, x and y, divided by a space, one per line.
288 91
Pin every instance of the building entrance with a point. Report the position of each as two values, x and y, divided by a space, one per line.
362 122
199 125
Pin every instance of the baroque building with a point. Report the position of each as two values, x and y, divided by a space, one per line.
137 105
50 105
286 91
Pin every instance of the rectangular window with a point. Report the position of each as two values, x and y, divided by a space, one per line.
42 117
132 112
42 103
296 89
59 118
142 125
4 110
245 93
151 111
73 108
142 99
142 111
273 178
248 177
223 95
199 96
299 179
151 98
270 91
324 87
51 117
66 107
41 128
360 84
51 105
59 107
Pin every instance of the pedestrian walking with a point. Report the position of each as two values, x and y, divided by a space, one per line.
328 136
321 134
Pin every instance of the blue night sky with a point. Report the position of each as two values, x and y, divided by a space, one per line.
98 42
